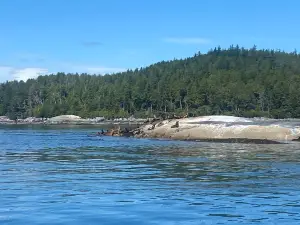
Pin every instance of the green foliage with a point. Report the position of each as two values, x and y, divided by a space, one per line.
233 81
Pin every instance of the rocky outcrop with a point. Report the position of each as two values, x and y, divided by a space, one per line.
29 120
219 128
64 119
72 119
6 120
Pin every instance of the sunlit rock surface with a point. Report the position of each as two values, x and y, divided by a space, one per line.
222 128
64 119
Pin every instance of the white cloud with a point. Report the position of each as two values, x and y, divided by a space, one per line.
27 73
10 73
178 40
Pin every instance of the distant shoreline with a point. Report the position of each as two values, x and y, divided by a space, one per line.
71 123
70 120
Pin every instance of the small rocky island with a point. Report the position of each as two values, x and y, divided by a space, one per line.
218 129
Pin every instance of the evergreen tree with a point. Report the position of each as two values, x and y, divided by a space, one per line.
233 81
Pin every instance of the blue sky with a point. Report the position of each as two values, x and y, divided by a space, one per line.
95 36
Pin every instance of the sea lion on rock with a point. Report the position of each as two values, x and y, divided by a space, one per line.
152 127
176 125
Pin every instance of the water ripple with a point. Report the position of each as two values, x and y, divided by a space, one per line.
65 176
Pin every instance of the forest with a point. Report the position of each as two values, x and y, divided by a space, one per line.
233 81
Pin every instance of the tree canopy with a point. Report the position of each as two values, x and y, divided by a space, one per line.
233 81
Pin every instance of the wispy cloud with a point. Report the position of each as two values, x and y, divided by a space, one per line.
27 73
91 43
8 73
187 40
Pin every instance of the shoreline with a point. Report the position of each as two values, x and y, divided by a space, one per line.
222 129
71 123
70 120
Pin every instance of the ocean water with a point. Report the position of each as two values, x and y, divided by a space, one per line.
54 175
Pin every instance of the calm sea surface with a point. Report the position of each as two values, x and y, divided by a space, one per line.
67 176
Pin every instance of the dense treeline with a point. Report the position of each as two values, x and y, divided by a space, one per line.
233 81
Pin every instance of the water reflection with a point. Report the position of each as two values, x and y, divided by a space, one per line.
196 161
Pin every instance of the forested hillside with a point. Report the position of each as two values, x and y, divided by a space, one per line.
234 81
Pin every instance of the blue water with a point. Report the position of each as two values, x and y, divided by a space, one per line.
66 176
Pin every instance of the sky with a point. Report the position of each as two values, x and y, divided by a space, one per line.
106 36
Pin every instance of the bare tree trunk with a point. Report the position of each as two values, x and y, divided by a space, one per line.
187 107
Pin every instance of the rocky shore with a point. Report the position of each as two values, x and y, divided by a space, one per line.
70 119
222 129
205 128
